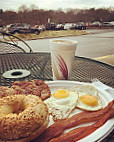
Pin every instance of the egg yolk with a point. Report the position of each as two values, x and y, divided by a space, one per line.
61 94
89 100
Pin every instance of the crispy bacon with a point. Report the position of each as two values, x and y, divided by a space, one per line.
36 87
96 125
58 128
81 132
68 137
84 117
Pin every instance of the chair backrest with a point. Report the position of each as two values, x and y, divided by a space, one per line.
6 47
10 44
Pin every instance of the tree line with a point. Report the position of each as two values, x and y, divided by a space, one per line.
34 15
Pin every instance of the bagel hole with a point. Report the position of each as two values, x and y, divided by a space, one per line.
18 111
20 108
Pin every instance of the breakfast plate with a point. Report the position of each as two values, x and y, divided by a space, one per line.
100 133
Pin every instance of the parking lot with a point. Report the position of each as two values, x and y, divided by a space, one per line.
98 43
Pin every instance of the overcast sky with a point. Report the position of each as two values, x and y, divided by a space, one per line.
56 4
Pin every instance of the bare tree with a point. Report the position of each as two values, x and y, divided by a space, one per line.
33 15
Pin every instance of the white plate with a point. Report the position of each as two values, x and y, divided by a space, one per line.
100 133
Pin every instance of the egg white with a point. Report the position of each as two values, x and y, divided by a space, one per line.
88 90
61 108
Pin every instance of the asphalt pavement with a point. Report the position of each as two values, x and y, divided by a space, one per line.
96 44
99 42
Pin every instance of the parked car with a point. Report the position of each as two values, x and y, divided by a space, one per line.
112 23
50 26
96 24
108 24
81 26
2 28
22 28
59 27
42 27
69 26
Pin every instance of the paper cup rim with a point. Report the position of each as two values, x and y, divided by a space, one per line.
70 40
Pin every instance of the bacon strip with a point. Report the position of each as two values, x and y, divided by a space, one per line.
58 128
67 137
97 125
81 132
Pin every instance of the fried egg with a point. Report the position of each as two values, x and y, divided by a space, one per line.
61 104
88 98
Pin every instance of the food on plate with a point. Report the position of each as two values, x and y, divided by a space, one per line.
64 101
25 108
36 87
58 127
96 125
89 89
22 118
6 91
81 132
61 104
88 98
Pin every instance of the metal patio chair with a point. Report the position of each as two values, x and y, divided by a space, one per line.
10 44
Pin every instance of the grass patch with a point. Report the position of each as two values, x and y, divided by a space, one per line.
48 34
51 34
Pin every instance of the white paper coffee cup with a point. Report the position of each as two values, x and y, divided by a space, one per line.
62 56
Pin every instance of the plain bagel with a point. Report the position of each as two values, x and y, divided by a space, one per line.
22 118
